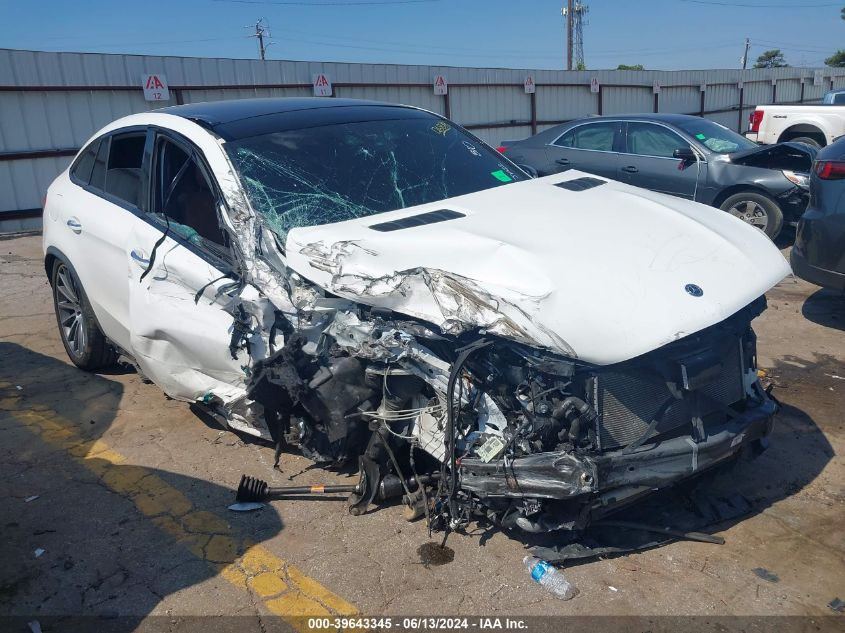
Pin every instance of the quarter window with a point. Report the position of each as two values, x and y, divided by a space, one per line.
593 136
81 170
647 139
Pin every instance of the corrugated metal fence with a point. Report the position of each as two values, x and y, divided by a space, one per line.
51 103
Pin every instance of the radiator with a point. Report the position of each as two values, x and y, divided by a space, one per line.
627 402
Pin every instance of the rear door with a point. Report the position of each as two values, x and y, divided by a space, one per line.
591 147
111 176
181 284
648 160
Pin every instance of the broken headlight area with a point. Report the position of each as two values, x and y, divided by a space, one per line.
479 427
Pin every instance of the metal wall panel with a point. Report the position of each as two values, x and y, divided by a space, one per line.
44 120
683 99
483 104
789 90
633 99
556 103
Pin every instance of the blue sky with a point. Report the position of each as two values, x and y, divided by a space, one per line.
660 34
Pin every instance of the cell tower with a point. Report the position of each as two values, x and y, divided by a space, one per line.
575 13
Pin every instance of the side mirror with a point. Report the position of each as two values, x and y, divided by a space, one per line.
685 154
528 169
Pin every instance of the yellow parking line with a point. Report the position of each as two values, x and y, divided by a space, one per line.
284 590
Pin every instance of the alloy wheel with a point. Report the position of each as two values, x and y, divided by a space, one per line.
752 213
69 306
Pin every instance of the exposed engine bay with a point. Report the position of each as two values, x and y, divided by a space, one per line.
479 426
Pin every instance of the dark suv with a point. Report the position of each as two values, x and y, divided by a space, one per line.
819 252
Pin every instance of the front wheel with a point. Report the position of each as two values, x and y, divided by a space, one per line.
84 343
756 209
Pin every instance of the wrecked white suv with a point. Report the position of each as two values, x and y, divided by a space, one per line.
376 285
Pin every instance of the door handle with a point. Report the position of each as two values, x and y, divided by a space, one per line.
75 225
562 161
630 169
138 256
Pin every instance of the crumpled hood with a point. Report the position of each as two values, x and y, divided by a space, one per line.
795 156
600 274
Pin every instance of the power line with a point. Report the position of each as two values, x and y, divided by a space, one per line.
762 6
331 3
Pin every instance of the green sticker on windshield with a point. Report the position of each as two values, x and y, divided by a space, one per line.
700 136
500 175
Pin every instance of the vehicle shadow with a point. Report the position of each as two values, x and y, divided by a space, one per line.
825 307
88 534
737 490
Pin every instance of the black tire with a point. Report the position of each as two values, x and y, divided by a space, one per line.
756 209
85 344
807 141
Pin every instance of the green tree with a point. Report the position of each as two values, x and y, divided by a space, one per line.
837 60
771 59
580 66
630 67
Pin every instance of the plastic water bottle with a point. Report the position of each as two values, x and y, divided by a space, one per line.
550 577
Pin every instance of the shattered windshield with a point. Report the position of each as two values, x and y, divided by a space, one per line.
715 137
331 173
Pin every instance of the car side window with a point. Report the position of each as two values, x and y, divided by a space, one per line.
123 172
647 139
81 169
98 173
183 196
593 136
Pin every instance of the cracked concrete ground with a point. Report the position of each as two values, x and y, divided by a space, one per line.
111 461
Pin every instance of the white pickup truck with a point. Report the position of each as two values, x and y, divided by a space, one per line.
816 125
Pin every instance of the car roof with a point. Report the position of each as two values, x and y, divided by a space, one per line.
241 118
662 117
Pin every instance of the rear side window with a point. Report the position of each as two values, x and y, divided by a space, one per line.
81 170
594 136
123 172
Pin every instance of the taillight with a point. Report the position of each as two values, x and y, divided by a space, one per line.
755 119
501 149
830 169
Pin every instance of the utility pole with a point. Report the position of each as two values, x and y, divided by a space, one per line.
260 31
569 13
745 54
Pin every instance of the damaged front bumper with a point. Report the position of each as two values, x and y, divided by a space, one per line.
582 489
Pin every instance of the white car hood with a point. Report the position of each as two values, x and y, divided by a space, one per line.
599 274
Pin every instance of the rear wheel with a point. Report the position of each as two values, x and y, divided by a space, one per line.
757 210
84 343
807 141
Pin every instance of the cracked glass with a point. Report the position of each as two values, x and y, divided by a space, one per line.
331 173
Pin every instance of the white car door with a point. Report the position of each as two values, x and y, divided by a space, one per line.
180 297
97 220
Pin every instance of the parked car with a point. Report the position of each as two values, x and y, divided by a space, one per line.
816 125
835 97
357 278
682 155
819 252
